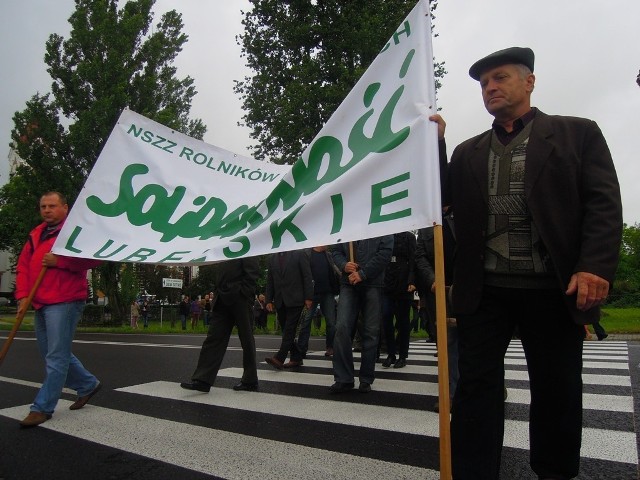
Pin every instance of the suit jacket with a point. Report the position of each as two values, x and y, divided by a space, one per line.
289 284
572 193
236 281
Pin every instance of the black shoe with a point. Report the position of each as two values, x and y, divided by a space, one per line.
340 387
602 337
391 359
196 385
364 387
248 387
400 363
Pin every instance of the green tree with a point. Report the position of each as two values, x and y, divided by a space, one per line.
112 60
306 56
626 290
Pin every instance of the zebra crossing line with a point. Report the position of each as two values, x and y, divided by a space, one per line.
607 393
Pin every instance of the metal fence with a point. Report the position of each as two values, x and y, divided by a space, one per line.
101 315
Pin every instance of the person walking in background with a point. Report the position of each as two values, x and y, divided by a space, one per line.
361 287
58 302
184 310
538 233
195 310
425 258
289 291
144 311
399 285
326 285
260 312
135 314
206 309
236 282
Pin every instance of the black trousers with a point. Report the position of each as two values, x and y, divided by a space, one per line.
553 349
289 318
223 318
400 310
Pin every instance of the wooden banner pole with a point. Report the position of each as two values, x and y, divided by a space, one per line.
443 358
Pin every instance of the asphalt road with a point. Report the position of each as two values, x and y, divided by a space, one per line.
143 425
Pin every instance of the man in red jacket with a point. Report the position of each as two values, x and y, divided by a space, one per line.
59 302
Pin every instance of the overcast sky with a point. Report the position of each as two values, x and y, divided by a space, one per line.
587 59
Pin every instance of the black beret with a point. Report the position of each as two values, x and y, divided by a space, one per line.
519 55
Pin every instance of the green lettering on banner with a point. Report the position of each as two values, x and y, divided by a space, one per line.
338 212
173 258
72 238
245 245
396 36
107 244
140 255
278 229
378 200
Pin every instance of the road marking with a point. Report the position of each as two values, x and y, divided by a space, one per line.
619 446
230 454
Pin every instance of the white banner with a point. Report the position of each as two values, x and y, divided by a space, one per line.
158 196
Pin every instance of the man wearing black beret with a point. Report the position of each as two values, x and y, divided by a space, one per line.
538 230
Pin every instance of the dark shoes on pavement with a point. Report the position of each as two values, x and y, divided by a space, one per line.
340 387
198 385
402 362
391 359
274 362
82 401
329 352
34 419
602 337
248 387
364 387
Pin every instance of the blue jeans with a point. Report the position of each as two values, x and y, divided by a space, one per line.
55 328
355 300
327 304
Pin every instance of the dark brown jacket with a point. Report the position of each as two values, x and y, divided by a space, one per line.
573 195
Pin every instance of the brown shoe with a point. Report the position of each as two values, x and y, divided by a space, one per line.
329 352
293 364
273 361
34 419
82 401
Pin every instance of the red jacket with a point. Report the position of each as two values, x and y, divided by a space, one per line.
66 282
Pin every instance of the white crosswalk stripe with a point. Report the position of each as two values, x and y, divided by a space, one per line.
607 392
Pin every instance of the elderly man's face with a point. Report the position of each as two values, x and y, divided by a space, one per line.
506 92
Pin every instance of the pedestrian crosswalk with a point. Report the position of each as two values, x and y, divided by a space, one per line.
293 428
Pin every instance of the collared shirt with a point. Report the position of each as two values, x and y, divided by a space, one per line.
518 125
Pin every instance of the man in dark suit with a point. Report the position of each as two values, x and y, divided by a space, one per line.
236 282
538 230
289 291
